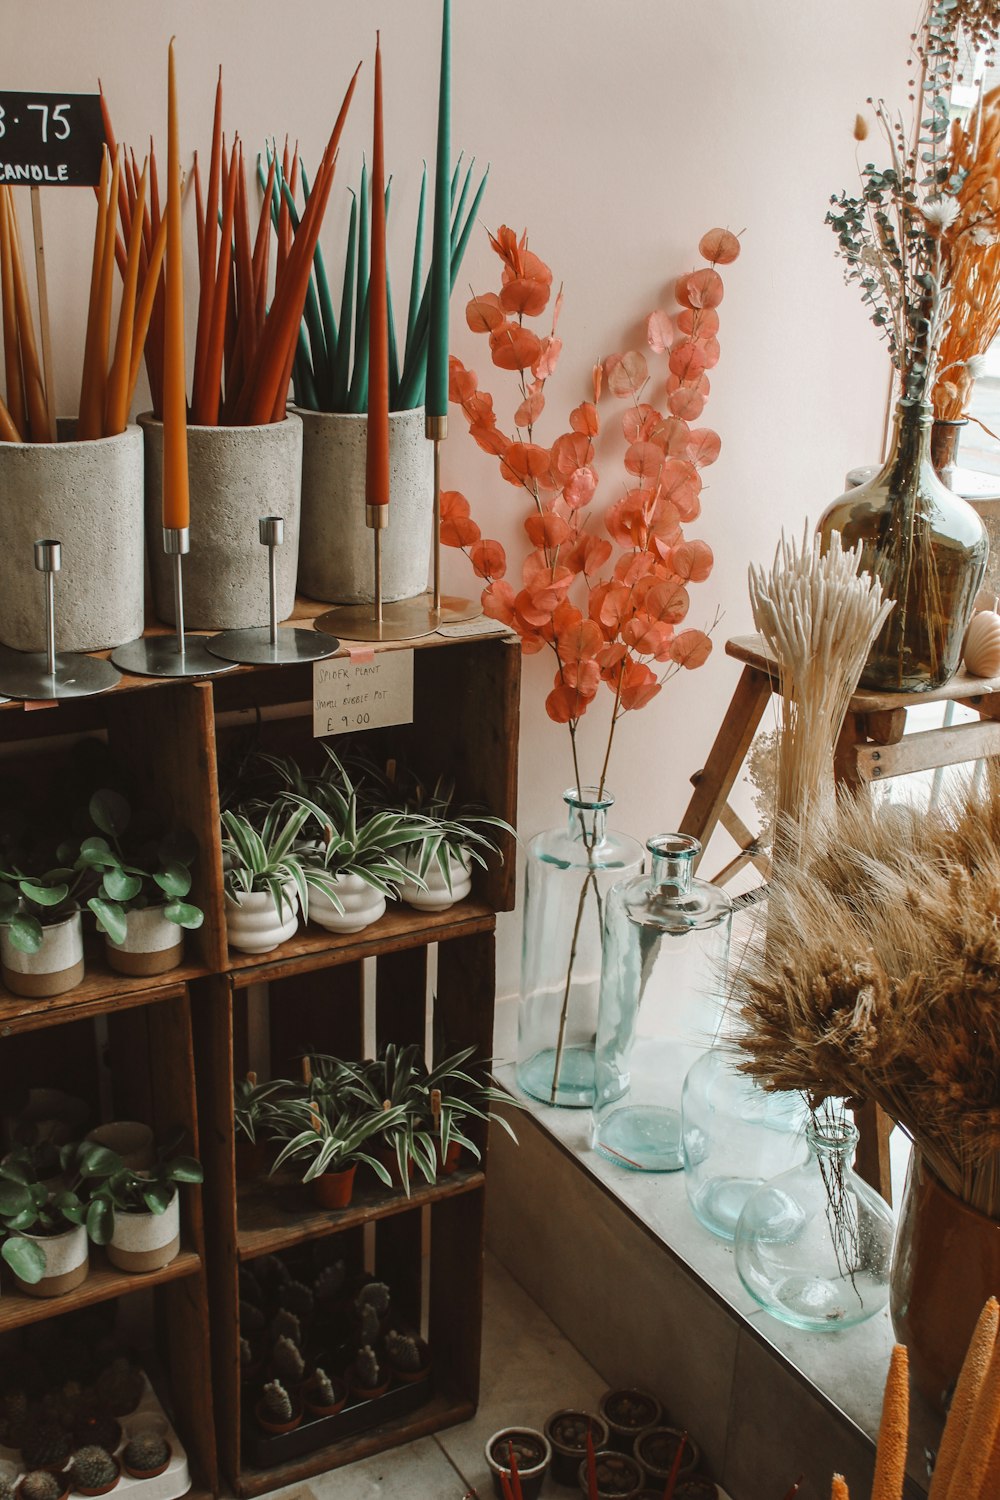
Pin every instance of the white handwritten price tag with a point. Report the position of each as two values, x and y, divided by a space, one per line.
351 695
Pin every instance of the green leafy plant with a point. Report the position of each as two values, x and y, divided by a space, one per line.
331 1137
115 1188
253 1104
30 902
28 1205
364 849
464 1096
154 874
266 860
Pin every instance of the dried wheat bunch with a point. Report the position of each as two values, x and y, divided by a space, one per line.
880 977
819 616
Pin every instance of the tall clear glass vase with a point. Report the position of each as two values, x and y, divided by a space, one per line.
569 873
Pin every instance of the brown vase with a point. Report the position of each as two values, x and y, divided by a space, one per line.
945 438
946 1265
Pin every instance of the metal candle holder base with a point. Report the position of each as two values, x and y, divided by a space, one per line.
178 655
266 645
403 620
42 676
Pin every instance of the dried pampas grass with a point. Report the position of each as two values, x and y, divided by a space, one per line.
819 616
879 977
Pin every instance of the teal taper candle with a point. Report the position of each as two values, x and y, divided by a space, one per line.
437 351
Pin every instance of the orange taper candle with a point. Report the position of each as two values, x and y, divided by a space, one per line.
176 502
377 482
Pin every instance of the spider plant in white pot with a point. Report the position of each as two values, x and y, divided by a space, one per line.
354 869
439 864
265 883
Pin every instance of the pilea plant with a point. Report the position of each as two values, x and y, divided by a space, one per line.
621 627
153 873
28 1205
122 1189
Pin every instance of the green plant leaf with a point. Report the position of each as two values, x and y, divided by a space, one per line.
157 1196
119 886
100 1220
183 914
174 878
25 932
186 1169
25 1258
110 812
14 1199
110 918
44 895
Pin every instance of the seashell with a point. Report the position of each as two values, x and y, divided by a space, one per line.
981 648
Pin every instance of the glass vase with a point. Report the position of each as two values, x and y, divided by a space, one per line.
569 872
814 1246
666 946
929 549
736 1136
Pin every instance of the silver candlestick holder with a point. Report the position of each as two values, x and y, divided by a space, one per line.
40 676
267 645
178 655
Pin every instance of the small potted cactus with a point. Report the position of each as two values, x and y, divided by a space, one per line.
567 1433
366 1378
146 1455
619 1477
39 1484
324 1397
409 1357
46 1445
276 1412
656 1450
287 1364
532 1454
628 1412
93 1471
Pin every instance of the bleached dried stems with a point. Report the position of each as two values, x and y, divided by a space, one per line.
880 977
819 616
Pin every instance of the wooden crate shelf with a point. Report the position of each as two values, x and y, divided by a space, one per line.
265 1225
104 1282
175 1042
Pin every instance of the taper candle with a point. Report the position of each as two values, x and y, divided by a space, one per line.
437 350
176 501
377 477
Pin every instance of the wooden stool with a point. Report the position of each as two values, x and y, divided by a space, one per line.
873 746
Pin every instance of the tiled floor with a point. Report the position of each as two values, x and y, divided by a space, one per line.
528 1370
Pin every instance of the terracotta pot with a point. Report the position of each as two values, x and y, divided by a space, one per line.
104 1489
364 1392
334 1189
946 1264
148 1473
414 1377
276 1428
450 1162
152 945
316 1410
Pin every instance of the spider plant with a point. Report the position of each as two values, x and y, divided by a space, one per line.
330 1138
463 1096
364 850
266 860
254 1104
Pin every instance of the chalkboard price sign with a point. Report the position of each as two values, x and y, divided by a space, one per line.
51 140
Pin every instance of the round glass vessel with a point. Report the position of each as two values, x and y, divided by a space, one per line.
735 1138
814 1246
568 874
666 946
928 547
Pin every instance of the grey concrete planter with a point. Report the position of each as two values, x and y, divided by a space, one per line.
89 497
238 474
335 551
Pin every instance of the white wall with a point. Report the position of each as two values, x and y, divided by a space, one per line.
618 131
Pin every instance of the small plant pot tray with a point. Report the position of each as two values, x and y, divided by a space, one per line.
265 1452
176 1477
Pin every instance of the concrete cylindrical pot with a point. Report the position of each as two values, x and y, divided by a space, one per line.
152 944
254 924
238 474
335 548
146 1242
362 904
89 497
67 1261
55 968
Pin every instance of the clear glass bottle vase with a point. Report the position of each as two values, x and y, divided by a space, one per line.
666 948
927 546
569 872
814 1247
736 1136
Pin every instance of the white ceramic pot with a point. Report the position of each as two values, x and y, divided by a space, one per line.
437 896
254 924
146 1242
89 497
362 905
66 1262
55 968
238 474
130 1139
152 944
335 551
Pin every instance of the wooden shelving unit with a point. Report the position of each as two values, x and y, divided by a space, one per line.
174 1043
